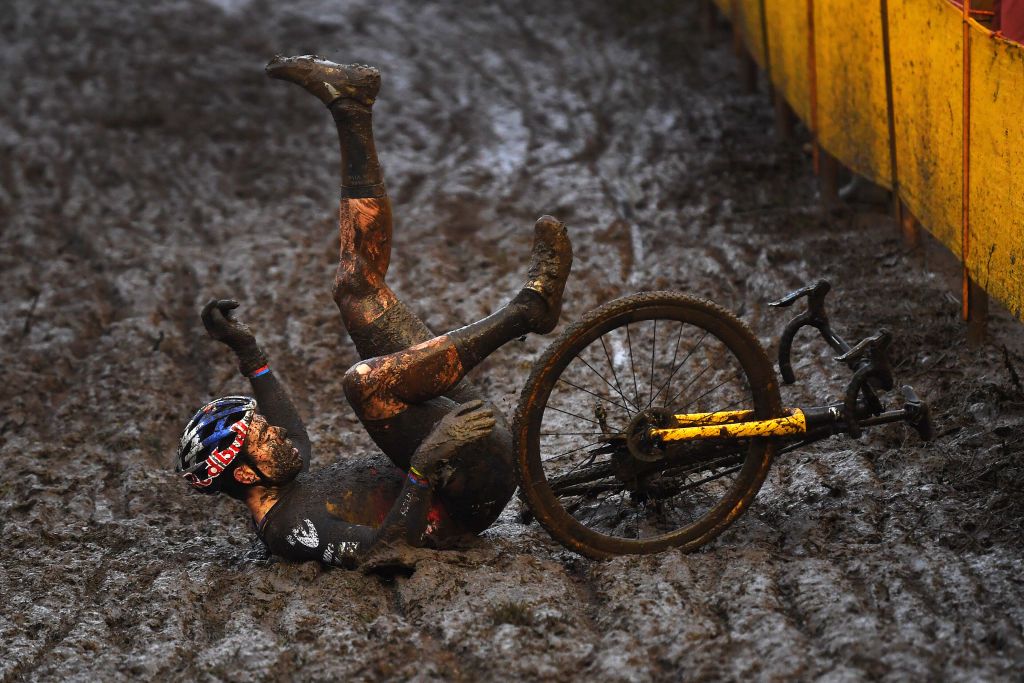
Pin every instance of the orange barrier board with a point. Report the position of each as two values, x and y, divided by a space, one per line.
852 112
787 52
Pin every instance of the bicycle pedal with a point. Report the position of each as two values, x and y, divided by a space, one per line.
918 414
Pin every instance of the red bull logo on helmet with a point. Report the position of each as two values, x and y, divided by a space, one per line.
219 460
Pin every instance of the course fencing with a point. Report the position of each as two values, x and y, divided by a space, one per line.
918 97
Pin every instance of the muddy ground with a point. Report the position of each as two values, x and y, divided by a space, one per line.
147 164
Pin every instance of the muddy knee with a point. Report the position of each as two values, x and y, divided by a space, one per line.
368 390
361 297
352 281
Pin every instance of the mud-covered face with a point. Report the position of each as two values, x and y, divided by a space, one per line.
275 456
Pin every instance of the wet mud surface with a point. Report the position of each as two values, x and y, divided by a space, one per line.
148 164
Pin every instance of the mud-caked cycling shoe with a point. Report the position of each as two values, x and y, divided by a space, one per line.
327 80
550 264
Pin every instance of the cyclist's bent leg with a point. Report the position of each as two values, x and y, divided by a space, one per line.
385 386
380 324
399 396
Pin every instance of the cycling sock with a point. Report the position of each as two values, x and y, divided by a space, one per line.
476 341
361 174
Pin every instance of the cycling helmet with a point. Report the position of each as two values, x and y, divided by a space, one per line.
212 441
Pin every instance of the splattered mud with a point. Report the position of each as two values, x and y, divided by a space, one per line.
147 164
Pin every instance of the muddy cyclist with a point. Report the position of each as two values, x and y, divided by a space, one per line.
448 469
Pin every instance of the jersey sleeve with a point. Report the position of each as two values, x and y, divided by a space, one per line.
326 539
277 407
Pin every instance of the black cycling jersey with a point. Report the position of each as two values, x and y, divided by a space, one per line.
335 514
338 513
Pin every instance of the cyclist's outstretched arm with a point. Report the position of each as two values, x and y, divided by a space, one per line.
274 402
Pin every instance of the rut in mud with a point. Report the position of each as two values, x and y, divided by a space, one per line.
147 164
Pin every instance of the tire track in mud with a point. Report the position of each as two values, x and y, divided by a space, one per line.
61 631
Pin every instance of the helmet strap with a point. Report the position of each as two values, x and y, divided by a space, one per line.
264 479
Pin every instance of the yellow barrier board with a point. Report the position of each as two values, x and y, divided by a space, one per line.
926 59
996 240
748 14
787 52
925 38
853 121
725 7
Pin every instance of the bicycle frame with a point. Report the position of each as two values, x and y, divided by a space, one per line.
813 423
731 424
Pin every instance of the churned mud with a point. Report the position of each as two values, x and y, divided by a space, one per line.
147 164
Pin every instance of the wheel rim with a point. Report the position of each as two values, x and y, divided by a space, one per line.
587 486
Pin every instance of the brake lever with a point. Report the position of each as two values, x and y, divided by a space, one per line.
814 316
815 290
873 371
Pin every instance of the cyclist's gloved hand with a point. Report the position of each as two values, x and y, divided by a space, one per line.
463 425
224 328
220 325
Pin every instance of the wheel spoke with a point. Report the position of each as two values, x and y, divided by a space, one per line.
595 395
583 360
616 433
688 385
632 365
675 368
578 417
712 477
654 344
573 450
613 373
714 388
587 462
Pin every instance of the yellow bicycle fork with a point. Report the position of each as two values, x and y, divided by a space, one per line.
731 424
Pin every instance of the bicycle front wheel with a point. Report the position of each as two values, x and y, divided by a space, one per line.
585 469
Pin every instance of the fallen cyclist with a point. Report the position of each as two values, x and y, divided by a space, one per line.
449 465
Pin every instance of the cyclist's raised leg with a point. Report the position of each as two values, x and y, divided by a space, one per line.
377 321
364 209
387 385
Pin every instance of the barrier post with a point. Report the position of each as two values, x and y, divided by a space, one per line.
785 117
890 110
977 316
910 226
972 296
747 65
828 178
812 82
707 17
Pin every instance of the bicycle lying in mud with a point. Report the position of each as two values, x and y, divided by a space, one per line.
651 423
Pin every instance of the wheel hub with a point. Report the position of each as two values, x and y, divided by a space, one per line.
639 441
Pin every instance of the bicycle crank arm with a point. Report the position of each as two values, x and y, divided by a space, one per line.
914 412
